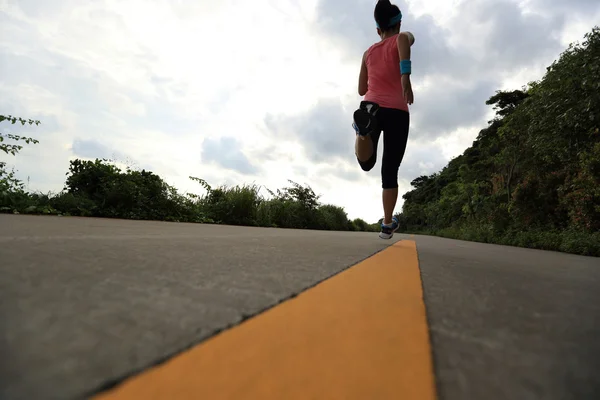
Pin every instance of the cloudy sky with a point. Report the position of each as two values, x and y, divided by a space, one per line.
261 91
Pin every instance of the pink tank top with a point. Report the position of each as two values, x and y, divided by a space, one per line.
384 79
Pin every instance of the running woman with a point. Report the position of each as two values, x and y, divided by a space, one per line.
384 81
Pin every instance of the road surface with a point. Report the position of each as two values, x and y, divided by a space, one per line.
132 309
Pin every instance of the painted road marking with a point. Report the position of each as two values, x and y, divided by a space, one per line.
361 334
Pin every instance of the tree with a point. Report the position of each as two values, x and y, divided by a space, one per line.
8 180
535 166
13 149
506 102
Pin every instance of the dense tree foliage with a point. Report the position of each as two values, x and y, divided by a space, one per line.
532 177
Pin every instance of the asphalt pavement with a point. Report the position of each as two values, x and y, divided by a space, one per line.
511 323
85 303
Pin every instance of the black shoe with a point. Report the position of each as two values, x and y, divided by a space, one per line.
364 118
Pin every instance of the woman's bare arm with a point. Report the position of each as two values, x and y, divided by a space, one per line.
403 43
362 78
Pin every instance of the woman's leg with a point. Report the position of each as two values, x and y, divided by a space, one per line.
395 136
363 147
389 197
366 150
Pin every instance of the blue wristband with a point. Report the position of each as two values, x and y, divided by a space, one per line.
405 67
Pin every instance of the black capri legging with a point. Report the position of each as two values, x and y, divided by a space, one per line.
394 123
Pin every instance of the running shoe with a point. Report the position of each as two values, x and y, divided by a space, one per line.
387 230
364 118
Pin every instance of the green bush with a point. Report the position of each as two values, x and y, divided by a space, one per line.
360 224
237 205
332 217
568 241
106 191
268 213
68 204
580 243
285 214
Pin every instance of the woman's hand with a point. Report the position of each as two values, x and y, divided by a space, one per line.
407 89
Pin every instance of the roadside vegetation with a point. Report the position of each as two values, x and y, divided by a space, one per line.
530 179
99 188
532 176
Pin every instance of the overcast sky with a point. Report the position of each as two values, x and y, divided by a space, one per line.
238 91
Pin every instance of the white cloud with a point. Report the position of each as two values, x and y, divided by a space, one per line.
159 81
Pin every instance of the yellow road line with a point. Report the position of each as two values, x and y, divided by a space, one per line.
361 334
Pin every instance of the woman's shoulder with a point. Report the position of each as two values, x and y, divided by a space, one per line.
382 44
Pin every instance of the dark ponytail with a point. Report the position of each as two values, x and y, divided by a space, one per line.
385 13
